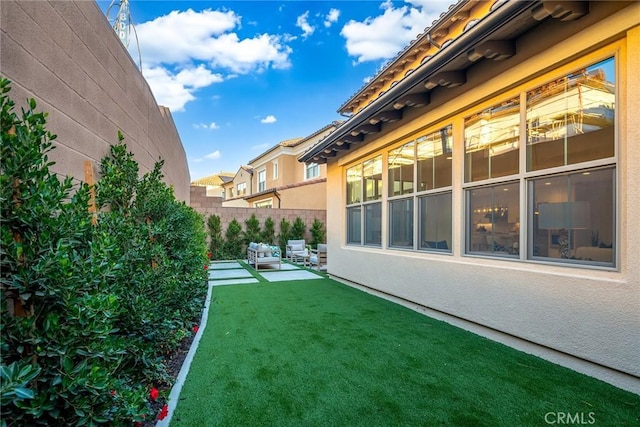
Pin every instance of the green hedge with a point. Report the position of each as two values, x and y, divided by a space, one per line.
91 303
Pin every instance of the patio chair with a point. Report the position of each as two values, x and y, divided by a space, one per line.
318 257
296 250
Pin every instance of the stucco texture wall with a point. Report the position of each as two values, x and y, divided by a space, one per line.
65 55
592 314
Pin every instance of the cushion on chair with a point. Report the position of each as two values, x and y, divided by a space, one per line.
297 248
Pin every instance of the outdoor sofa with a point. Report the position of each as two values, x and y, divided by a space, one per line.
261 254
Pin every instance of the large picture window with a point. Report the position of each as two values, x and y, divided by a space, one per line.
570 214
364 208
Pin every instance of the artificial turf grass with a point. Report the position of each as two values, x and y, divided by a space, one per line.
321 353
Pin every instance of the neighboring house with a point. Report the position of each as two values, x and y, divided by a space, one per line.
235 190
281 182
489 172
214 183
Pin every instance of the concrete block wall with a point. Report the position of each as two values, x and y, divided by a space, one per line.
208 206
65 55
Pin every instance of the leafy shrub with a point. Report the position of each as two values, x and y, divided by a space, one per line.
252 230
216 242
88 307
284 235
318 233
298 229
233 245
269 232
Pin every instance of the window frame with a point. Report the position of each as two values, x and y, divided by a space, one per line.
262 180
363 205
313 166
524 176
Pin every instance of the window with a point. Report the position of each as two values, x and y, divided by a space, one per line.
435 222
242 188
418 169
491 139
372 175
364 208
262 180
265 204
275 169
354 184
571 119
354 225
401 223
311 170
570 204
400 169
574 216
494 219
434 159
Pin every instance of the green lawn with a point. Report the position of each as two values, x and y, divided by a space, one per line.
319 353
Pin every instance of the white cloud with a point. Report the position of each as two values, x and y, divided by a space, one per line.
269 119
175 90
183 37
187 50
210 126
303 24
331 17
213 156
383 36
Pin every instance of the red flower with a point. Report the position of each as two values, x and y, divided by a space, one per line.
163 413
209 254
206 266
113 393
153 394
195 328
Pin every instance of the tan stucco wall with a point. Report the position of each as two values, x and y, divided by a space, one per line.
66 56
310 196
590 313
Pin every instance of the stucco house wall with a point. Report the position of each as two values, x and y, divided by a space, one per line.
65 55
588 316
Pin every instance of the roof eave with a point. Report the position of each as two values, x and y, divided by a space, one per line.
460 46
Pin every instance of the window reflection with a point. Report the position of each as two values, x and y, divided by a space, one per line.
400 166
372 173
354 184
491 140
434 159
571 119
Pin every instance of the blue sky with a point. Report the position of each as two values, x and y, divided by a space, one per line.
241 76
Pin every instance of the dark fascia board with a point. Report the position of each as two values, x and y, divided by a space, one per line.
478 33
